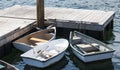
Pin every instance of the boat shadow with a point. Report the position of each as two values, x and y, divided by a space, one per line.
56 66
96 65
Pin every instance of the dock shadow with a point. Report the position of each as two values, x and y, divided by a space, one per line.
96 65
56 66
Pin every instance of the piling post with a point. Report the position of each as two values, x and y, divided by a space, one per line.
40 13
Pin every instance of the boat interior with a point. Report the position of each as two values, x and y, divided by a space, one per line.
46 54
87 47
46 51
50 51
37 37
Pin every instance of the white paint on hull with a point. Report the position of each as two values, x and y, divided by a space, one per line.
39 64
93 57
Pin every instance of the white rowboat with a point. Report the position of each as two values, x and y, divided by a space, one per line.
46 54
89 49
34 39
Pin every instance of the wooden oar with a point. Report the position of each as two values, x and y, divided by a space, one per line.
38 39
40 53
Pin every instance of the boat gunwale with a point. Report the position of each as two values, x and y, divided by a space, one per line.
44 30
94 40
12 66
90 54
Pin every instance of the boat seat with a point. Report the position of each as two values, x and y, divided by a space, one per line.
48 54
38 39
95 44
88 47
76 40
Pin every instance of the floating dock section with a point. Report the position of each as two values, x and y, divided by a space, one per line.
17 20
91 22
12 28
88 21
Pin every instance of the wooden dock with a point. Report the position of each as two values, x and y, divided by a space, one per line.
11 28
17 20
76 18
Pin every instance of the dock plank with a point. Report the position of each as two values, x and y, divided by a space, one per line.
99 17
19 11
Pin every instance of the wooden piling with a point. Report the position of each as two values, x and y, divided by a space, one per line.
40 13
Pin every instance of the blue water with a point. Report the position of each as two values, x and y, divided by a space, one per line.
70 61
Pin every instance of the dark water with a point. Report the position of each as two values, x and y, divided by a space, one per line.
70 62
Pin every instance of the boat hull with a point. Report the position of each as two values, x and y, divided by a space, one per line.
42 64
21 46
94 57
25 47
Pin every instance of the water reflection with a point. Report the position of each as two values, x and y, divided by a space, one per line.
98 65
57 66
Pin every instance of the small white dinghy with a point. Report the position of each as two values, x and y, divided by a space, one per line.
46 54
34 39
87 48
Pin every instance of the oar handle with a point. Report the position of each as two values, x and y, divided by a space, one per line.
38 39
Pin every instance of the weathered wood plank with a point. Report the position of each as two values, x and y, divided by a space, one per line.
11 28
98 17
19 11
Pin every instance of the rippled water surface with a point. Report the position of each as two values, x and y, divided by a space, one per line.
70 62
